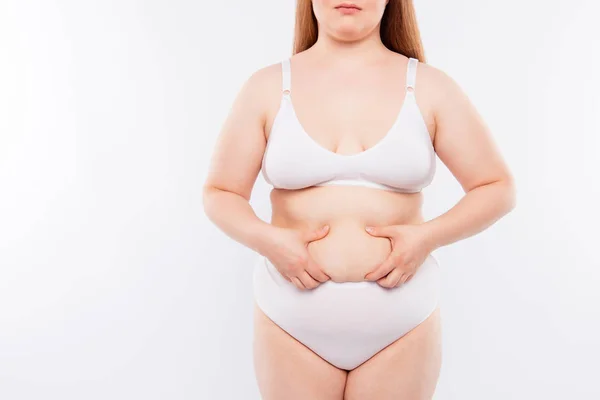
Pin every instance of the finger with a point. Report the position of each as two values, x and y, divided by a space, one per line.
409 278
317 234
307 280
405 278
382 270
391 279
298 283
316 273
408 273
402 279
385 231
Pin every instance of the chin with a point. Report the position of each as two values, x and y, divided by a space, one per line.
348 31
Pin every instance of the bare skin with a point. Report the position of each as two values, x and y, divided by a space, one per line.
346 95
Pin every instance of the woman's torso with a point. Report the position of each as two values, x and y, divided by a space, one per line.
344 115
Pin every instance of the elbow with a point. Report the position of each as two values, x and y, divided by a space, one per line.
208 194
510 193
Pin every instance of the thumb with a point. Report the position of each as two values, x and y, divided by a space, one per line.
317 234
385 231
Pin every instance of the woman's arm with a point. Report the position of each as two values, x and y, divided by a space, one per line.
465 145
235 165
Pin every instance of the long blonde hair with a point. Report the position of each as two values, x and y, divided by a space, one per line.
399 29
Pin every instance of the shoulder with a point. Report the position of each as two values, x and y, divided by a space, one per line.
440 86
266 77
260 87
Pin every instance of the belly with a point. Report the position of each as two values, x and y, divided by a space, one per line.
348 252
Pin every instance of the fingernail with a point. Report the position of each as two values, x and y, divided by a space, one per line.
326 227
369 229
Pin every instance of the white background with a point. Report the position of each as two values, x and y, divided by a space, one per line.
114 284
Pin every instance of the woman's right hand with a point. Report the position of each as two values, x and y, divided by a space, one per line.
288 252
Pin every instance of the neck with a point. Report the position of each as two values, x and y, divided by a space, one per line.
349 53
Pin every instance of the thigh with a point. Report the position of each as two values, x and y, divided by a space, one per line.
407 369
286 369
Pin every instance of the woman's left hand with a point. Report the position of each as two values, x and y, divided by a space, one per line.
411 244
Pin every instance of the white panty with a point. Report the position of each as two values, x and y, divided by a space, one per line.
347 323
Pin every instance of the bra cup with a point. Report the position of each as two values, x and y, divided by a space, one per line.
404 161
291 162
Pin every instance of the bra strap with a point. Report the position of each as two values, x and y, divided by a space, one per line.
411 73
286 76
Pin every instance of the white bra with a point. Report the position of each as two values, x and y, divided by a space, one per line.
402 161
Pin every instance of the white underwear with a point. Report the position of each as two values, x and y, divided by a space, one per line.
347 323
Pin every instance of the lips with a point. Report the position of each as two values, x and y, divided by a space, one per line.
348 6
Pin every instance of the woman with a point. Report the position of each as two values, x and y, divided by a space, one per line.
347 131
